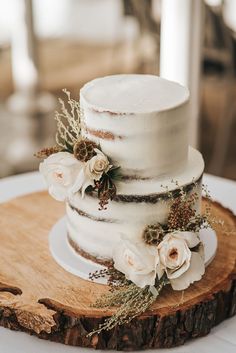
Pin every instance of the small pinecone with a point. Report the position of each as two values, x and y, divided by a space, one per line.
84 150
180 214
153 234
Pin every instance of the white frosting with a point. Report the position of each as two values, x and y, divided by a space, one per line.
148 117
144 122
192 171
98 236
133 94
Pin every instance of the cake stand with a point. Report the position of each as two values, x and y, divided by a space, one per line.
39 297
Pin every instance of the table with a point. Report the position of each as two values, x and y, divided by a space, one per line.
222 338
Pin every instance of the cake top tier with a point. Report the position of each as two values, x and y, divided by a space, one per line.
133 93
139 121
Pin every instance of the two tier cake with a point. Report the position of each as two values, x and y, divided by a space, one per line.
122 263
132 188
141 124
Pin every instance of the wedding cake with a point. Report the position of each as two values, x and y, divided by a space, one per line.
132 188
141 124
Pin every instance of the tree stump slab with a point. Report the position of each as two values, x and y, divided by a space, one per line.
38 297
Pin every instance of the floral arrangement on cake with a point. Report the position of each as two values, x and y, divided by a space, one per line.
167 254
76 164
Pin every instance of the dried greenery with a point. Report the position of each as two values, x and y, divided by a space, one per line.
106 187
181 212
212 221
68 123
182 216
130 300
47 151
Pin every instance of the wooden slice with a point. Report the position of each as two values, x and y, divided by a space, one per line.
37 296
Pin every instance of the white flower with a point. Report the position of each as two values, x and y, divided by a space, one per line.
60 171
181 265
92 170
137 261
96 166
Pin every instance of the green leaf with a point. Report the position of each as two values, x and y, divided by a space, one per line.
114 173
68 147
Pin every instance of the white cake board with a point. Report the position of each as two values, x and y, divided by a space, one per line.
72 262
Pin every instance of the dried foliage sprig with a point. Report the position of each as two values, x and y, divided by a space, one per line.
47 151
182 216
131 301
213 221
68 123
106 187
114 277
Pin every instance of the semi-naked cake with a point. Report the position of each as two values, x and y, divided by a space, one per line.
140 122
132 186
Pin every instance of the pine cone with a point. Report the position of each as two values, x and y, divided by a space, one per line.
180 214
84 150
153 234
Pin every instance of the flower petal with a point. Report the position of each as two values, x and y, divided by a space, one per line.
99 152
85 185
160 270
194 273
118 252
57 192
201 251
172 274
78 182
143 280
136 261
191 238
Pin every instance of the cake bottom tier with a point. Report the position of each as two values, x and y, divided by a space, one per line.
94 233
40 298
95 237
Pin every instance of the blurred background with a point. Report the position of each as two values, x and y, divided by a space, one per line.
46 46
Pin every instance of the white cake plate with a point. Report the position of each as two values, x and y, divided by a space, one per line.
72 262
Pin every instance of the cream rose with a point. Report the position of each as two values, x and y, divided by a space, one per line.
92 170
60 171
137 261
96 166
181 265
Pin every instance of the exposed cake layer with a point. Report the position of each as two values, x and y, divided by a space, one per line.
140 122
97 232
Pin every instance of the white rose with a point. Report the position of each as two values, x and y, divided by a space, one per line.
181 265
96 166
137 261
60 171
92 170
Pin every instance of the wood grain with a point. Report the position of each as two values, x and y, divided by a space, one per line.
39 297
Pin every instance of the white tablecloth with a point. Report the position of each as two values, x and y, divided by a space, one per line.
221 339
